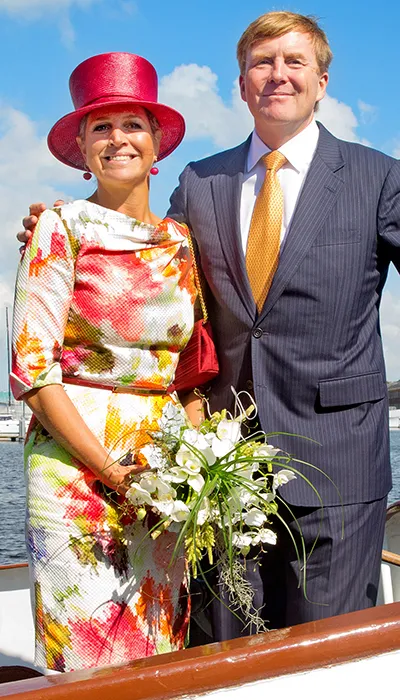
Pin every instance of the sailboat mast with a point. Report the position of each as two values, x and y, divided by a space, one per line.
8 356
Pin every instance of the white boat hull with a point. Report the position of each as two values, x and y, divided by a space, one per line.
17 638
16 623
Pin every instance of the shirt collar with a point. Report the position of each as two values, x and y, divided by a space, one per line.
298 151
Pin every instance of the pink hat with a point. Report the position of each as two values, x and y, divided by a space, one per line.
106 80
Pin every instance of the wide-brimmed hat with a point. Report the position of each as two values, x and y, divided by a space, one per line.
105 81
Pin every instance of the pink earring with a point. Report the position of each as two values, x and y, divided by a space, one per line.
154 170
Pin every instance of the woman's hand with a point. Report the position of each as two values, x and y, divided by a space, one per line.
58 415
29 222
193 406
119 477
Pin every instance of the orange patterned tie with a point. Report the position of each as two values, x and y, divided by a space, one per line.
263 244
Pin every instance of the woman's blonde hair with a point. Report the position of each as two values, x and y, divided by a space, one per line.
274 24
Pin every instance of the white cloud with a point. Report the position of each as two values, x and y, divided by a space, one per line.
35 8
129 7
390 325
368 113
396 150
193 90
339 118
67 30
30 10
28 173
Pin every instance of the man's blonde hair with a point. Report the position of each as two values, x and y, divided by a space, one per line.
274 24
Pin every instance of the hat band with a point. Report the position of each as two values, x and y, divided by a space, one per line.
128 98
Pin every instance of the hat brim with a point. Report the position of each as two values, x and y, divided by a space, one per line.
62 137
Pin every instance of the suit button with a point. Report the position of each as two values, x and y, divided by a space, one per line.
257 333
249 385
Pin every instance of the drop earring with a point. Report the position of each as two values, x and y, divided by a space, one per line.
87 175
154 170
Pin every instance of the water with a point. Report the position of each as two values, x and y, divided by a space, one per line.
12 503
12 496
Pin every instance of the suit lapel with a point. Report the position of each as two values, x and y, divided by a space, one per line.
226 191
320 192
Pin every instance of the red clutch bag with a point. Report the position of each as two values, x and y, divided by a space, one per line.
198 361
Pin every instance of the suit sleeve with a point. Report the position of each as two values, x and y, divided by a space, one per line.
178 209
389 215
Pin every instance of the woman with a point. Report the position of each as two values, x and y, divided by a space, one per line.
104 304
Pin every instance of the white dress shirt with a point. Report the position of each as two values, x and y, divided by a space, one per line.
299 152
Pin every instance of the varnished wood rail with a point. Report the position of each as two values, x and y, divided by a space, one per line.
390 557
335 640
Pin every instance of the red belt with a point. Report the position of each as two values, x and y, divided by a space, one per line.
120 389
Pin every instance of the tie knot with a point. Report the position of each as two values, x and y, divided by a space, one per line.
274 160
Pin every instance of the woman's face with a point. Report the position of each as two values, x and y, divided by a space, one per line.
119 145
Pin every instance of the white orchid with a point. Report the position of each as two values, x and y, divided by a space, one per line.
155 484
242 541
221 448
254 518
137 495
238 499
195 448
196 482
282 477
265 536
180 512
164 505
229 430
190 473
204 513
266 451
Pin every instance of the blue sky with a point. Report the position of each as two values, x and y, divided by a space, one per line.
192 45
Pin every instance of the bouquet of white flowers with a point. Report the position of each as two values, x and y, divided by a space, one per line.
216 488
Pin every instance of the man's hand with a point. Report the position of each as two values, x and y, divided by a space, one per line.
29 222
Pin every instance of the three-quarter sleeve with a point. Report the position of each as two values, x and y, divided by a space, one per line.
43 294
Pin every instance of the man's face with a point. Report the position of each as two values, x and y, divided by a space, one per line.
282 82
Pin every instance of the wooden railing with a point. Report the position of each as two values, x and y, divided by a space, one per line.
302 648
390 557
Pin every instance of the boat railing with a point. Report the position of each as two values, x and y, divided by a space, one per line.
390 557
233 664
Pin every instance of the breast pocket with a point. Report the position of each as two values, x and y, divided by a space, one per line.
346 391
341 236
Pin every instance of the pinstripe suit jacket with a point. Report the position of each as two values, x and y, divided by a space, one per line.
314 353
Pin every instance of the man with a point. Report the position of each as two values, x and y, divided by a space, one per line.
295 249
311 352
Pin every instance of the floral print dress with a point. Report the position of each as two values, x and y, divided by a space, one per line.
103 306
